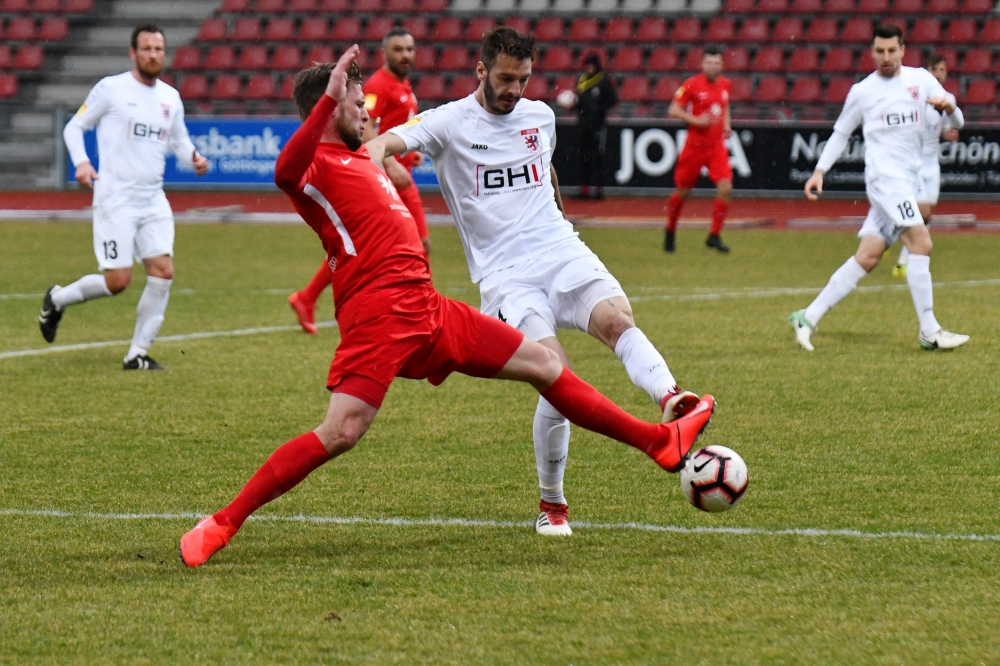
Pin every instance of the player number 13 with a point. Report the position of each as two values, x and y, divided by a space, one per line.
110 250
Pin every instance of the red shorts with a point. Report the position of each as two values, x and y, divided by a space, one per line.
416 333
693 158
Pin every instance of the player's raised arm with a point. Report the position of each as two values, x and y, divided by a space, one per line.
387 145
95 106
849 119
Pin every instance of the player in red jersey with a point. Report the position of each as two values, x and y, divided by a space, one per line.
392 321
703 103
390 102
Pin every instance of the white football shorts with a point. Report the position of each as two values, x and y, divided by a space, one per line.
930 181
561 287
127 233
893 208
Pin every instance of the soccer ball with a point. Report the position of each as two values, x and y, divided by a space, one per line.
715 479
566 99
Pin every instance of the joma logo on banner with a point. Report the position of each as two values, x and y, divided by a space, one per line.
635 153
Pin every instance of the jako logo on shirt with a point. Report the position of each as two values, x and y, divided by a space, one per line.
503 180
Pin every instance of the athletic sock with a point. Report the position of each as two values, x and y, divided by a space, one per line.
584 405
86 288
674 205
287 466
918 277
719 211
841 283
317 284
551 432
149 315
644 364
904 255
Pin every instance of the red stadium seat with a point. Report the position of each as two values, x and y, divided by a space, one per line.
873 6
78 6
893 20
692 59
29 56
805 90
839 59
907 6
601 53
537 88
462 86
54 29
788 30
981 91
634 89
584 30
318 53
803 60
477 27
651 30
866 63
187 58
663 59
401 6
333 6
627 59
235 6
742 89
961 31
252 57
550 29
432 6
739 6
822 29
772 89
754 30
807 7
721 29
687 30
430 87
425 59
368 6
220 57
365 61
447 29
260 86
857 30
377 28
839 6
950 56
772 6
418 27
736 59
454 58
913 58
211 30
303 7
227 86
523 25
619 30
837 89
168 79
977 6
567 82
269 6
246 30
194 86
10 6
942 6
287 87
286 56
977 61
768 59
313 29
991 32
46 6
953 86
22 29
346 29
925 31
665 88
6 57
8 86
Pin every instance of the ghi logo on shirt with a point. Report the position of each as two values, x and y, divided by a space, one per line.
503 180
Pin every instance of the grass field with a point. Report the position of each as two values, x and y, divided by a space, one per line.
868 434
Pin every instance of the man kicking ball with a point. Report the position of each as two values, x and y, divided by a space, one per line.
392 321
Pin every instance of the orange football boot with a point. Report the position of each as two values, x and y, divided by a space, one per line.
672 449
304 312
206 539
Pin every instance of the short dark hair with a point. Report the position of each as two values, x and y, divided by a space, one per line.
396 31
933 60
310 85
144 27
887 31
506 41
712 49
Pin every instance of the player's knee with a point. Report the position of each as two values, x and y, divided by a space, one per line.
339 438
725 188
117 282
616 326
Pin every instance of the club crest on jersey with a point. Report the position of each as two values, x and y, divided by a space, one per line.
166 111
531 140
914 92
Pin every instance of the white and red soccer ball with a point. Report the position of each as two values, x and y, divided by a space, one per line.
715 478
566 99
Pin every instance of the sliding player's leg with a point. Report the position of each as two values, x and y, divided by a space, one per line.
304 301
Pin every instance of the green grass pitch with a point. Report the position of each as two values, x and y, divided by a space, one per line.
868 433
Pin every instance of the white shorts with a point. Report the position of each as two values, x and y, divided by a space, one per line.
893 209
561 286
126 233
930 182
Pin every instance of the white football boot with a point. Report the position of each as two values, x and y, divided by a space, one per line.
803 329
553 520
942 340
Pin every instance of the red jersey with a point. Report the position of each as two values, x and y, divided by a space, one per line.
390 102
699 96
366 230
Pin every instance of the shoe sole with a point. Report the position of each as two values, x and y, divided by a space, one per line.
554 530
180 554
691 400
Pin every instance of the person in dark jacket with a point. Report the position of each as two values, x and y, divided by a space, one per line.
595 96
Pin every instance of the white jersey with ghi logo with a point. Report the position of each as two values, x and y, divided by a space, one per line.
137 125
494 172
891 113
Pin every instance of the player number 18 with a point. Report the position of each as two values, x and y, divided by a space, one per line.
905 210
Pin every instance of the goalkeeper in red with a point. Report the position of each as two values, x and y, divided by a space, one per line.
392 321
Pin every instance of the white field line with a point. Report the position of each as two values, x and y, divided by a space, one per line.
500 524
162 338
15 297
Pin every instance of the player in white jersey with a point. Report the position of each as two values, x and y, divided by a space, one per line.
936 127
889 105
139 118
493 155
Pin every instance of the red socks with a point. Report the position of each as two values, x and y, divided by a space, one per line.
674 205
719 211
317 284
584 405
287 466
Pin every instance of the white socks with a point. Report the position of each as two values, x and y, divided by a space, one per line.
841 283
551 431
645 366
904 256
86 288
152 305
918 277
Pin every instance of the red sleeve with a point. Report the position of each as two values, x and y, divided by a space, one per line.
375 99
298 153
684 93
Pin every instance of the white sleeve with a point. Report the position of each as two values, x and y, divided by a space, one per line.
850 118
180 141
955 119
95 106
428 132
